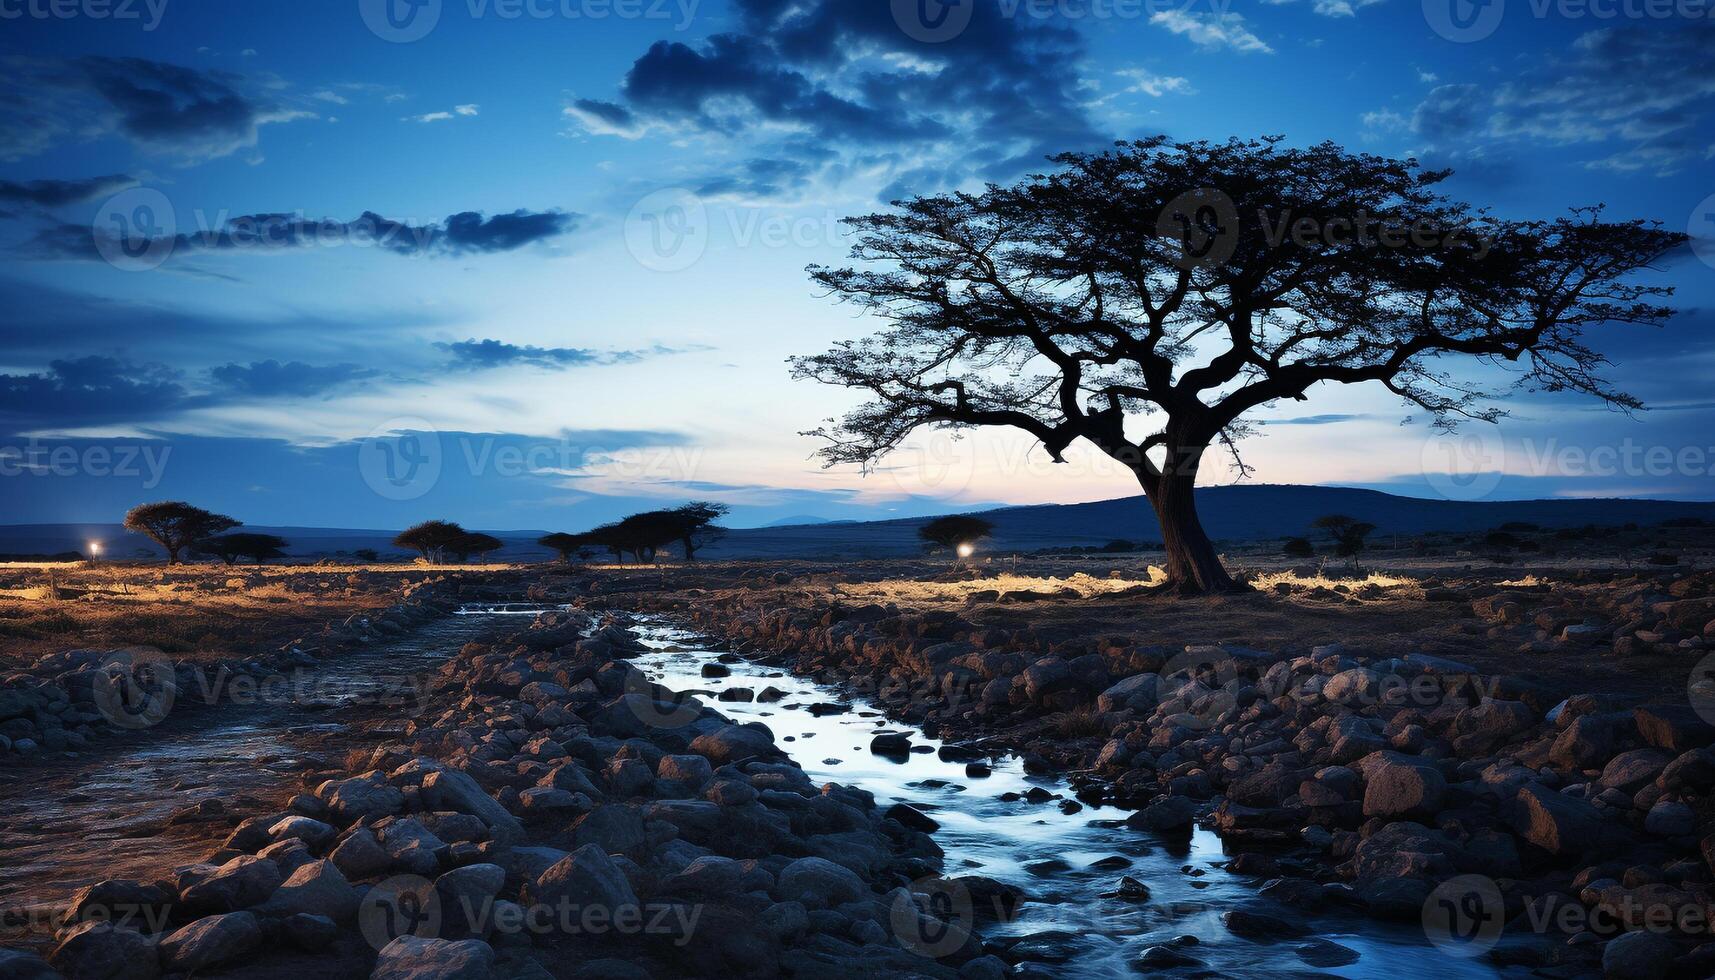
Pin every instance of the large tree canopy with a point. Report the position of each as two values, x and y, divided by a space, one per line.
1147 298
175 524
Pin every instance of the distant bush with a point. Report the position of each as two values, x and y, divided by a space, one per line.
1501 541
1117 546
1520 527
1298 548
1664 558
368 554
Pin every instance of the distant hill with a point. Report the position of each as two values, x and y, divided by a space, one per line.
1231 513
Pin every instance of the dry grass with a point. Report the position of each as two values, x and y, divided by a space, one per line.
188 610
1408 587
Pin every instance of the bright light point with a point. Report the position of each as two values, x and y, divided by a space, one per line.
965 550
95 547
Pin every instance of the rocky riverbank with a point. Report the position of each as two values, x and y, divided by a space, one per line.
551 812
1570 835
73 700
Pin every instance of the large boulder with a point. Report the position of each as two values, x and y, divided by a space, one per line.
1555 822
238 884
819 883
317 888
1398 785
411 958
732 743
1137 692
18 965
368 796
102 951
585 878
211 941
1674 727
449 789
1638 956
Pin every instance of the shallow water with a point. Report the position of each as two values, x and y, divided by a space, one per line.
1004 840
66 823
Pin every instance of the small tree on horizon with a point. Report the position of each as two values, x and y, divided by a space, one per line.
955 530
174 525
1149 299
469 543
565 544
696 525
231 547
1349 535
430 539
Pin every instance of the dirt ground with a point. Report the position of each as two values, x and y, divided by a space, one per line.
190 611
1413 596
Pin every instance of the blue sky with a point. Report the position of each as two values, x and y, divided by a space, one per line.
543 264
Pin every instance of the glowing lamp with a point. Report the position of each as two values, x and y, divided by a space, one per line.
966 549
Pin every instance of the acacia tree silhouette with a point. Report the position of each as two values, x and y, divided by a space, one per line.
1184 285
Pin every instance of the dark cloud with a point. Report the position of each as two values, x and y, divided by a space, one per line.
162 107
460 234
90 390
293 379
761 176
997 98
478 355
1641 95
58 193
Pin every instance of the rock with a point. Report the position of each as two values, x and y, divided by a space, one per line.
238 884
467 897
411 958
912 818
1555 822
313 833
587 877
1629 772
693 771
735 743
1256 925
102 951
1398 785
1670 819
615 828
360 855
309 932
1638 956
891 743
1173 813
126 903
819 883
211 941
1324 954
19 965
1588 742
368 796
448 789
1137 692
317 888
1673 727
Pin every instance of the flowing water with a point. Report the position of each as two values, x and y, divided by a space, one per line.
101 816
1039 849
66 823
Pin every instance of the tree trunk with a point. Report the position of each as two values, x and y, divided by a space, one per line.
1193 567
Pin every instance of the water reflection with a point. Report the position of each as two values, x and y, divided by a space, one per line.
1065 862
